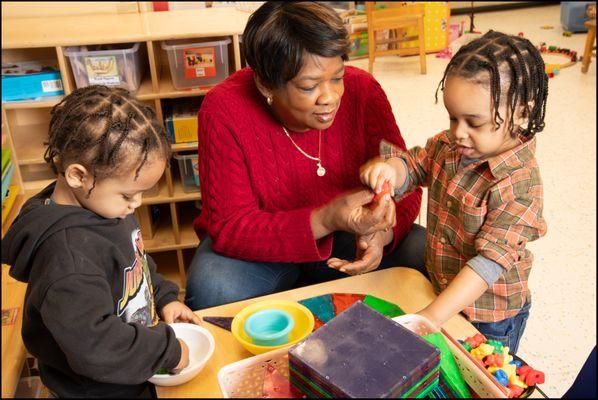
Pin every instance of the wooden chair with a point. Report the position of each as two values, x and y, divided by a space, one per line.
587 53
396 17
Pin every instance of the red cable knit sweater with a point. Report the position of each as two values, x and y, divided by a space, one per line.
258 190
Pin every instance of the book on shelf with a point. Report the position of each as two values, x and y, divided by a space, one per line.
9 201
5 158
6 176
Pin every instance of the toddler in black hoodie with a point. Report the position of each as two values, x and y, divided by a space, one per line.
94 296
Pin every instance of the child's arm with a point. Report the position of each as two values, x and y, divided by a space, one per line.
466 288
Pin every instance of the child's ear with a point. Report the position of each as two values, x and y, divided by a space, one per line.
76 176
521 115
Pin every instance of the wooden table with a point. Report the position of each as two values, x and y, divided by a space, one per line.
13 350
403 286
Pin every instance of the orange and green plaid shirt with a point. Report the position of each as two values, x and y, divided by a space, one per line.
491 207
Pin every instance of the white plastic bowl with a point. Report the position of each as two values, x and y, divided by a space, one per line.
201 347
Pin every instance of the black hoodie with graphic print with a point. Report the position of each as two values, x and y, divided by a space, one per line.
89 315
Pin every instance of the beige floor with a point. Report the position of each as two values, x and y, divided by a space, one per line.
561 330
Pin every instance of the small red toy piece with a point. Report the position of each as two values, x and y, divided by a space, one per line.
378 196
523 371
476 340
533 377
514 391
493 360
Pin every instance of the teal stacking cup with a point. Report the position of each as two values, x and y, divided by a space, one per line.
269 327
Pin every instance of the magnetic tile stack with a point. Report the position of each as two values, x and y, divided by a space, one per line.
362 353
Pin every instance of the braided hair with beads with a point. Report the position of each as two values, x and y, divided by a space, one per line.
107 130
507 60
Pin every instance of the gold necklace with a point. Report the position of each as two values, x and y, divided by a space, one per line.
321 171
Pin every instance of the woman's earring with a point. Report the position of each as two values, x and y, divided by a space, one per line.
269 100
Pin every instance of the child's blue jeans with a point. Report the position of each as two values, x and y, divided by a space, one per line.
508 331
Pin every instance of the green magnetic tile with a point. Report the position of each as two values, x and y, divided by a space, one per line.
383 307
449 369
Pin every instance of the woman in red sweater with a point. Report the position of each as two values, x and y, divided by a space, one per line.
280 146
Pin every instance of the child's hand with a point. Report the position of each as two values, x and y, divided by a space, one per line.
375 172
177 311
184 361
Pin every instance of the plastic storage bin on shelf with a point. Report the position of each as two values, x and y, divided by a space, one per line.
30 80
195 64
117 65
574 14
189 172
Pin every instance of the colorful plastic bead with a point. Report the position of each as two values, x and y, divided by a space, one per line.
493 360
510 370
501 377
514 391
467 346
533 377
497 346
515 380
507 357
482 350
523 371
516 363
480 338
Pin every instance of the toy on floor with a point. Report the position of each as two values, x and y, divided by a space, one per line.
508 369
555 69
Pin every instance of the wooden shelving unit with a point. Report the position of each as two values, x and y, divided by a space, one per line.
26 123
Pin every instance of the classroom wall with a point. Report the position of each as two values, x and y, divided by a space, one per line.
32 9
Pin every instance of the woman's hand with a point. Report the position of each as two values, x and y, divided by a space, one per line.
370 249
347 213
177 311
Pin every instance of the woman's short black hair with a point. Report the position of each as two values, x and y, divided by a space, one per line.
278 34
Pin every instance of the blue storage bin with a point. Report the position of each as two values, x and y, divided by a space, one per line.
30 80
573 15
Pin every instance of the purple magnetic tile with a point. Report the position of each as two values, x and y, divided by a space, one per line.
361 353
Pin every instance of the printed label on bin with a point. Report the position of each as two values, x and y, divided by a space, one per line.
199 62
52 85
102 70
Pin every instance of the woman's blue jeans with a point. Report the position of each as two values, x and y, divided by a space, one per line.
213 279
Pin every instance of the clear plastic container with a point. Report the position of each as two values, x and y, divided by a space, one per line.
116 65
189 172
196 64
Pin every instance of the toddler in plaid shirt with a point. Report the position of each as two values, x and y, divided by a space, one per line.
484 187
